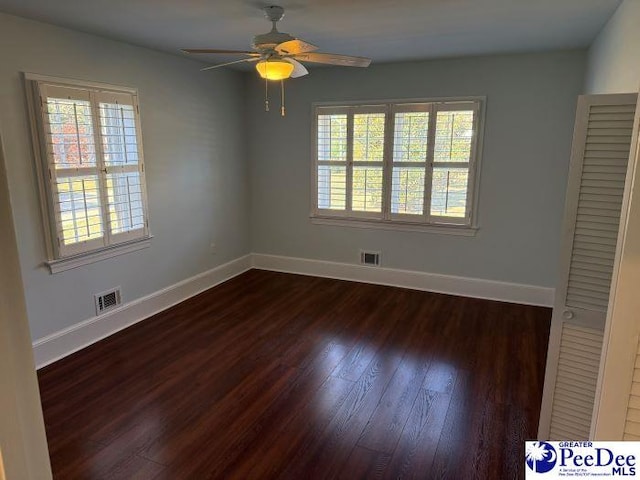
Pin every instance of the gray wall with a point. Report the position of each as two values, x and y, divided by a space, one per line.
531 100
197 175
614 63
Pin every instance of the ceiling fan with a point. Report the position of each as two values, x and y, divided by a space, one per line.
278 55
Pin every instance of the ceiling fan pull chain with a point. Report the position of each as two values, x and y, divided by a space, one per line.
266 94
282 96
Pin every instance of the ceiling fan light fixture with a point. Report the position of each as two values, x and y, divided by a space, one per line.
274 69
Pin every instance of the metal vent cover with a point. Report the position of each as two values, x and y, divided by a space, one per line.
369 258
107 300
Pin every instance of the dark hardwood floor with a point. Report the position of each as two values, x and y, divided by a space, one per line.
273 375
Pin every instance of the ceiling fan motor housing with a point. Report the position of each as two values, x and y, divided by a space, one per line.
271 39
273 12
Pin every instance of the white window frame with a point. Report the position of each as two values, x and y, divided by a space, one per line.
59 256
466 226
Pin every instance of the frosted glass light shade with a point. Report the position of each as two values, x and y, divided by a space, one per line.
274 69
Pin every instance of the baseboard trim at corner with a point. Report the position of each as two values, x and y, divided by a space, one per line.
452 285
65 342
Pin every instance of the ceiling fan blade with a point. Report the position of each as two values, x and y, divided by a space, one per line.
299 70
215 50
293 47
333 59
255 59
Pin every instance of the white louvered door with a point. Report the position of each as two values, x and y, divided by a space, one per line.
600 153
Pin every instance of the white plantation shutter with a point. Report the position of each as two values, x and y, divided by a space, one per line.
411 134
402 162
73 168
94 167
331 158
123 165
601 147
349 158
455 139
368 153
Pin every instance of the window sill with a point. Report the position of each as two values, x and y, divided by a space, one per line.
63 264
461 230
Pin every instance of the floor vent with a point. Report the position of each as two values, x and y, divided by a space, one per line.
107 300
370 258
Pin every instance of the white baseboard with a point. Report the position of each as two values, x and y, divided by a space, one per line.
65 342
431 282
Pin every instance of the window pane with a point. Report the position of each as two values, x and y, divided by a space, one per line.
79 207
332 138
449 192
332 187
70 136
407 191
410 137
367 189
119 140
454 131
126 211
368 137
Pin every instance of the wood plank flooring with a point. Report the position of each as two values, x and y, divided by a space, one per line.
273 375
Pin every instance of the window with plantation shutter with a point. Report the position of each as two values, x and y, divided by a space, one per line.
93 167
397 163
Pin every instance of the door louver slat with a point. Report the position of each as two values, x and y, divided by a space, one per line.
587 302
612 117
609 222
591 257
592 287
630 109
580 358
605 168
616 157
595 247
579 403
588 232
595 241
602 191
592 267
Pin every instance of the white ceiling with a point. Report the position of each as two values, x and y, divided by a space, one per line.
384 30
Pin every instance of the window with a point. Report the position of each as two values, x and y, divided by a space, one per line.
397 163
89 144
